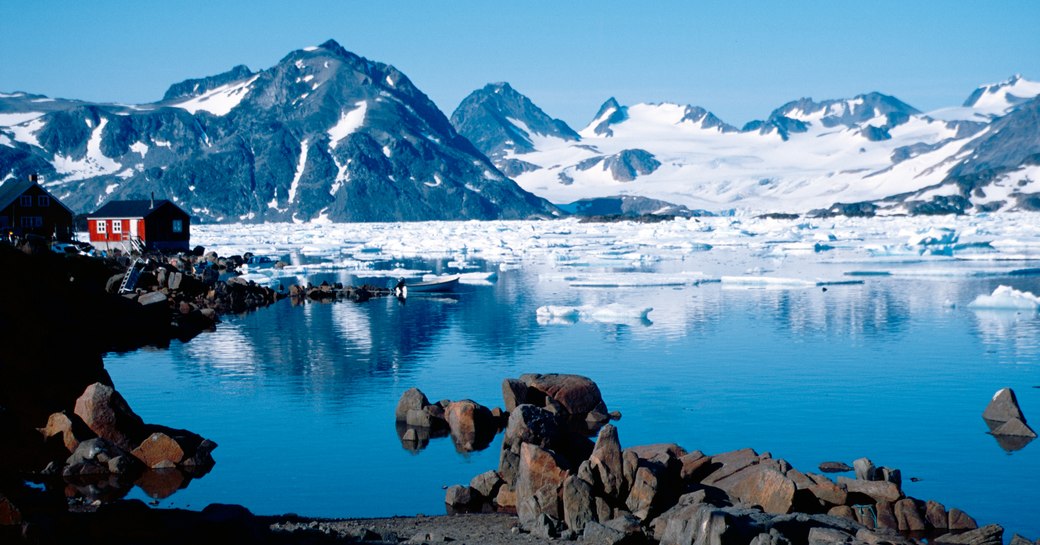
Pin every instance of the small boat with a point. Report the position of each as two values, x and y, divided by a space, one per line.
439 285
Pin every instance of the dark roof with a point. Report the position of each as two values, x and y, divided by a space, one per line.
131 209
12 189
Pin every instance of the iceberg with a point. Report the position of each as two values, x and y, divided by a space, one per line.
1007 298
614 313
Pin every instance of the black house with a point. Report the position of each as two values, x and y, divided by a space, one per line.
27 208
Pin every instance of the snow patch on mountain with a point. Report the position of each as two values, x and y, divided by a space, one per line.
348 123
94 163
219 101
991 100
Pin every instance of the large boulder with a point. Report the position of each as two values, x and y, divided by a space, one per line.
411 399
876 490
514 392
471 424
159 451
992 534
760 485
108 415
575 393
1014 427
607 464
578 506
908 515
539 480
1003 407
68 428
98 456
527 424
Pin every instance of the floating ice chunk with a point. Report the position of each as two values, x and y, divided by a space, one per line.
474 278
766 282
633 280
258 278
614 313
932 237
1007 298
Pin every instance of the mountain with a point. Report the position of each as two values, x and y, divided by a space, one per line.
500 121
323 135
872 152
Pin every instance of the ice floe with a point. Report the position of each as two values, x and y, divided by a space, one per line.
1007 298
613 313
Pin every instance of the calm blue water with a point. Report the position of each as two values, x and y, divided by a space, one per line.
301 398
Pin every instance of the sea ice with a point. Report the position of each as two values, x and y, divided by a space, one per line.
613 313
1007 298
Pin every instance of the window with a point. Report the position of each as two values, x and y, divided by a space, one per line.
37 221
27 221
26 201
117 226
43 200
178 226
102 226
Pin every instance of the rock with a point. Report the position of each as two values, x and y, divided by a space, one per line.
159 448
1003 407
527 424
603 510
864 469
458 496
762 486
486 484
542 525
695 466
661 453
411 399
607 463
801 480
108 415
113 282
935 515
540 476
908 515
821 536
471 425
10 515
834 467
578 507
629 465
599 534
992 534
577 394
152 298
98 456
893 476
70 427
842 511
1019 540
505 497
728 463
878 490
643 498
886 516
1014 427
514 392
959 520
827 491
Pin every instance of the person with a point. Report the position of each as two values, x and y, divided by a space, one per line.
399 289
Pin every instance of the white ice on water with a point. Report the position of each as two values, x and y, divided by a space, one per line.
612 313
1007 298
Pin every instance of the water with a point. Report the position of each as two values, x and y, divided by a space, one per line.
301 398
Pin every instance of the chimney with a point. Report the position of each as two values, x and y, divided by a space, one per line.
34 178
151 204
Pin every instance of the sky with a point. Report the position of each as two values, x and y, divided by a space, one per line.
738 59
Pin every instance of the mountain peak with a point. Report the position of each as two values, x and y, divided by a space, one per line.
609 113
998 98
199 86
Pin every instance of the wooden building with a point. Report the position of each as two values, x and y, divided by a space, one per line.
27 208
145 224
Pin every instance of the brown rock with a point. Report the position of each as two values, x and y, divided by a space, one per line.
1003 407
159 448
762 486
486 484
471 424
842 511
539 478
514 392
458 496
827 491
603 510
992 534
505 498
413 398
817 536
607 463
642 498
577 394
864 469
695 466
108 415
909 516
70 427
878 490
959 520
527 424
800 480
935 515
728 463
886 516
660 453
834 467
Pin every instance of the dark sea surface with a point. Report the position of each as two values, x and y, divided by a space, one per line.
301 398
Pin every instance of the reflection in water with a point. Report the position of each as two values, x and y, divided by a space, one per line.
1014 331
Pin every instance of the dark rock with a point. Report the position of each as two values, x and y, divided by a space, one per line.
599 534
959 520
458 496
486 484
908 515
514 392
527 424
411 399
577 394
1016 428
161 483
1019 540
540 476
834 467
98 456
607 463
842 511
886 516
935 515
1003 407
578 506
820 536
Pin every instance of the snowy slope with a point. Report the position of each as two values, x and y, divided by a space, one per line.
992 100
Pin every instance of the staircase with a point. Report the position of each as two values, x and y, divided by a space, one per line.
133 274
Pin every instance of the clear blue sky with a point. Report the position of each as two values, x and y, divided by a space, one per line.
739 59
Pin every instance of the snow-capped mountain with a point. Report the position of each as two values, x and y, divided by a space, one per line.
499 121
324 133
867 154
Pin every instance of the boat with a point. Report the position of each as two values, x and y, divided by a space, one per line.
439 285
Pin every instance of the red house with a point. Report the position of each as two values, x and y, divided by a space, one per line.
145 224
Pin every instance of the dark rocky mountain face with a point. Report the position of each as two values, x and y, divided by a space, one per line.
498 120
324 133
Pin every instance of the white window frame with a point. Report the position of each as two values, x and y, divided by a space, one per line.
117 227
102 226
